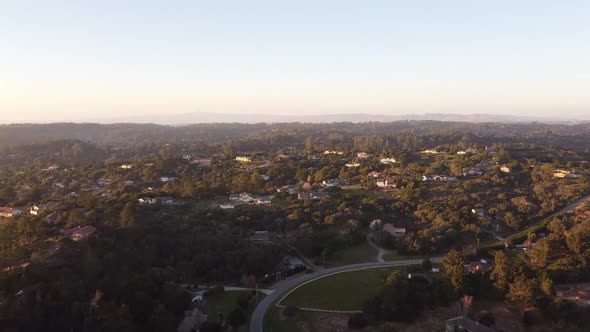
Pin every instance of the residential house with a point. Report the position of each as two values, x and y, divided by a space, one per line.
289 189
464 324
227 206
362 155
429 151
126 166
264 177
471 172
80 232
244 159
9 212
313 157
438 178
395 231
260 236
480 266
387 160
332 183
386 183
167 178
353 164
479 212
37 209
333 152
505 169
155 200
312 195
247 198
562 173
374 174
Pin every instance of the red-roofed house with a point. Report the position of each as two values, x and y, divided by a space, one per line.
8 212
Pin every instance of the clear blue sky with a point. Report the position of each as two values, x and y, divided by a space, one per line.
89 59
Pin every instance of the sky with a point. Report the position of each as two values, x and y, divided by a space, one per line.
81 60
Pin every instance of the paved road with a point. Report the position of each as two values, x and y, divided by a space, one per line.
257 320
380 251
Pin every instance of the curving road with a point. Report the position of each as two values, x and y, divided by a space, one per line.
257 320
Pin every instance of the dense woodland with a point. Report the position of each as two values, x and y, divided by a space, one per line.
130 275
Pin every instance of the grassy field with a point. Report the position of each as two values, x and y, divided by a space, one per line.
227 302
395 256
344 291
359 253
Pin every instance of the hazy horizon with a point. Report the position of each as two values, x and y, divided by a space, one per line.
80 62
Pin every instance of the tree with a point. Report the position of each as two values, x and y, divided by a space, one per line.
546 284
309 145
501 272
128 216
521 289
453 268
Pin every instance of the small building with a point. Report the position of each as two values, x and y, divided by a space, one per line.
289 189
438 178
374 175
126 166
395 231
167 178
331 183
387 161
480 266
312 195
464 324
9 212
227 206
505 169
352 164
386 183
80 232
37 209
479 212
362 155
243 159
333 152
429 151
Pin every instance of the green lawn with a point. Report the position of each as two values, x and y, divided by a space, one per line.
291 324
359 253
227 302
343 291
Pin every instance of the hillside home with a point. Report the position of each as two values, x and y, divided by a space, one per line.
126 166
312 195
167 178
243 159
362 155
353 164
386 183
37 209
505 169
387 161
8 212
79 233
395 231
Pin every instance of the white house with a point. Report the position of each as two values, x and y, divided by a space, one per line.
126 166
353 164
362 155
167 178
387 161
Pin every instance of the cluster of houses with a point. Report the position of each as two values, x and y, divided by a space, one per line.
438 178
169 201
246 198
562 173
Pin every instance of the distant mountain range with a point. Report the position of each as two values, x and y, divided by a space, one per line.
208 117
